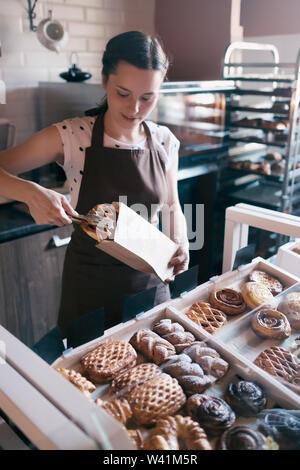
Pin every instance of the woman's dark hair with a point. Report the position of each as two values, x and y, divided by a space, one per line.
136 48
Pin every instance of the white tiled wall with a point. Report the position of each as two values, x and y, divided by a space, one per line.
25 62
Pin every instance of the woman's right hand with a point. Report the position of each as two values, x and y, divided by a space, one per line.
48 207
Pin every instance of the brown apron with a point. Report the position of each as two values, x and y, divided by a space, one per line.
91 278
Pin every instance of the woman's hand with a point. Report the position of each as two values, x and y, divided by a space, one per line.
49 207
180 261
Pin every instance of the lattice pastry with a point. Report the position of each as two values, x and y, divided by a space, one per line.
78 380
152 345
278 362
174 333
108 360
205 316
124 383
159 397
119 408
172 429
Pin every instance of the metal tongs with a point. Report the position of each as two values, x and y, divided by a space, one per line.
93 219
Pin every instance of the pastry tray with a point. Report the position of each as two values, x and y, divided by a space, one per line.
239 365
235 280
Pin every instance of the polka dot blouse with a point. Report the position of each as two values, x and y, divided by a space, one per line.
76 135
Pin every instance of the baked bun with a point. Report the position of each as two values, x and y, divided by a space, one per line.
273 156
246 398
290 306
105 229
283 426
270 324
242 438
214 414
271 282
256 294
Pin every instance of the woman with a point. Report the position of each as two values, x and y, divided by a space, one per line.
110 154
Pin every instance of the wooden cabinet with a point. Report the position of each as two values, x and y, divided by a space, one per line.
30 282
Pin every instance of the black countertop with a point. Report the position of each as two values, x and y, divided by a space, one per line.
15 223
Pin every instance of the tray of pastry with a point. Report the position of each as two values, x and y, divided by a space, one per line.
221 302
279 125
173 386
269 336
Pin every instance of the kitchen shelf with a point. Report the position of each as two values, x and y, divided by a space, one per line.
278 94
258 140
265 129
250 109
238 107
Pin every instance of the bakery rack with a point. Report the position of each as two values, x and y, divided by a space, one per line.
262 117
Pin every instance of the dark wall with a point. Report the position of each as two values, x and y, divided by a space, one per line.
270 17
195 33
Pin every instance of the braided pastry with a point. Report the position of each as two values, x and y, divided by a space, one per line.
152 345
205 316
189 374
174 333
119 408
170 430
78 380
208 358
228 301
214 414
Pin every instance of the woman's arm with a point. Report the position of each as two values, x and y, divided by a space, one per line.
45 206
178 226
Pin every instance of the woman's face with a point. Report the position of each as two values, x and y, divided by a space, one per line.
132 94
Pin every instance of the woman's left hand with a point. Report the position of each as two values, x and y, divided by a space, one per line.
180 261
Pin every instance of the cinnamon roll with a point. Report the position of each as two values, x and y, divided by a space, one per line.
214 414
242 438
228 301
246 398
283 426
269 323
